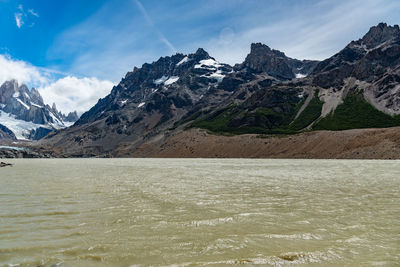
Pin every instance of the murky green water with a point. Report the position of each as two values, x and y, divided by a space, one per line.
124 212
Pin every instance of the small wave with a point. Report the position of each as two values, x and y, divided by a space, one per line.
29 215
305 236
354 239
79 233
91 257
212 222
279 260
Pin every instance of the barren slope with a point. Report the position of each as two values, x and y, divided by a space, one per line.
350 144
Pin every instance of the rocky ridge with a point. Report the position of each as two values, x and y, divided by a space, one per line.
269 93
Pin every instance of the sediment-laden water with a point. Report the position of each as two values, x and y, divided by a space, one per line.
128 212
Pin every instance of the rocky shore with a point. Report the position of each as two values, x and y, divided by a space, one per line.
29 152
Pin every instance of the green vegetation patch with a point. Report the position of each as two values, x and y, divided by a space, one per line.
218 121
309 114
356 113
233 120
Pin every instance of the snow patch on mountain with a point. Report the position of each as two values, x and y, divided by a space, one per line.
23 104
35 105
185 59
161 80
299 75
171 80
20 128
208 63
216 75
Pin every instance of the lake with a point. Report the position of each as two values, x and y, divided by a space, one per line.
139 212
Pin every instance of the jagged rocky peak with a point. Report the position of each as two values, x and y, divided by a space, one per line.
11 90
201 54
379 34
36 97
171 82
7 90
72 117
167 65
169 71
364 59
263 59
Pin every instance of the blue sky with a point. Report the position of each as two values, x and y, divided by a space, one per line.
91 44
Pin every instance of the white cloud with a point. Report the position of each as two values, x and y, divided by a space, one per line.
21 71
69 93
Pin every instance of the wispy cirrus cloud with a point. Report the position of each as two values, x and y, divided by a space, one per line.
33 13
316 32
18 17
108 44
152 24
21 16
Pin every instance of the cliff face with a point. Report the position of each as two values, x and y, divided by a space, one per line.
268 93
6 134
374 61
263 59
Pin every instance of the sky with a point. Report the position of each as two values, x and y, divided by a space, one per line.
74 51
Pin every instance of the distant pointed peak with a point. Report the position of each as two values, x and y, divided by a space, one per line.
384 27
259 48
256 46
380 33
201 52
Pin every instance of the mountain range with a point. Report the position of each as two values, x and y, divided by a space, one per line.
187 96
24 115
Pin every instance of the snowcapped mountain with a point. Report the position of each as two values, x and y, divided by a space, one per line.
269 93
23 112
174 89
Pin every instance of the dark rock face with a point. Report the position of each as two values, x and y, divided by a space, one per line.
39 133
364 59
6 134
10 152
374 60
168 84
263 59
380 34
71 117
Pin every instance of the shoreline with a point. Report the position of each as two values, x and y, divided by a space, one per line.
372 143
